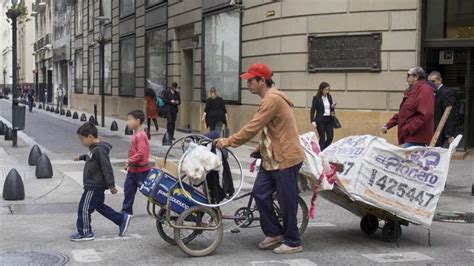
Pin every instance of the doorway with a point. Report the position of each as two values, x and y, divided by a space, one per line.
187 88
456 66
64 81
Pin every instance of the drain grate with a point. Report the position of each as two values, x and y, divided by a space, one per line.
32 258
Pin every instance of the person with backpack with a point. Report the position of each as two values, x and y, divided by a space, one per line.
215 113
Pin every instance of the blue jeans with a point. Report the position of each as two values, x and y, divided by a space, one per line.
132 183
411 144
91 200
285 183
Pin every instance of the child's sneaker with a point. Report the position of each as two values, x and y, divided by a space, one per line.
124 226
78 237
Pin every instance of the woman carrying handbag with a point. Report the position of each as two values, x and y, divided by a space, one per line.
322 115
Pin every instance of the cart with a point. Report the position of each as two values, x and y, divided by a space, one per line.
185 215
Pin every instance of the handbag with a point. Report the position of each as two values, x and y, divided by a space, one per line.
335 122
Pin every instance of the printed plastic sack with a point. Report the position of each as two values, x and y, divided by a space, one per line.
198 162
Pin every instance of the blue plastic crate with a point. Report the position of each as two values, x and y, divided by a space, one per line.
157 184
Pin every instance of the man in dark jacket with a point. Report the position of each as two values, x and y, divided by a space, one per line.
415 117
98 176
444 98
172 99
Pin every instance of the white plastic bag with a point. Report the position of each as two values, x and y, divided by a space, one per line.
198 162
314 164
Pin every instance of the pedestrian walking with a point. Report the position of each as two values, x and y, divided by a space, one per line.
31 99
215 113
444 97
98 176
137 165
151 110
172 100
59 97
415 117
321 114
282 157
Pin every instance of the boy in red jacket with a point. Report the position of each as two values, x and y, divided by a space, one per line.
138 155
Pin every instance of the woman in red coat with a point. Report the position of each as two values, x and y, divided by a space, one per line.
151 110
415 117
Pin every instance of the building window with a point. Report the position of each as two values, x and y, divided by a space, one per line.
91 14
78 72
127 7
127 66
78 17
222 54
90 72
154 2
453 19
156 60
108 67
106 8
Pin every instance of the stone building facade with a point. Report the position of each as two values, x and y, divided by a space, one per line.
200 44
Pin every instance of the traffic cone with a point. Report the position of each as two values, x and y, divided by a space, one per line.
13 188
167 140
47 108
34 156
75 115
44 169
68 113
1 128
7 132
83 118
114 126
128 131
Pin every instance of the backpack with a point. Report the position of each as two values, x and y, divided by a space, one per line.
159 102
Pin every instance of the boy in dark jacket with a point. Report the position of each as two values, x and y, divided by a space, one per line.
98 176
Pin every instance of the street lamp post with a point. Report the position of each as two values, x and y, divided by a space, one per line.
13 16
4 80
102 20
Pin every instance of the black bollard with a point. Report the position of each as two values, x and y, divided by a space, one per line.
34 156
44 168
34 105
75 115
92 120
13 188
114 126
167 141
47 108
83 118
51 109
128 131
7 133
62 112
1 128
40 106
68 113
57 111
4 129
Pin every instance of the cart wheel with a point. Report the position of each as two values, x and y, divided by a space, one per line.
246 217
369 224
207 240
301 215
389 233
166 231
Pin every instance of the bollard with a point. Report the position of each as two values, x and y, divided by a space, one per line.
75 115
83 118
114 126
47 108
51 109
40 106
57 111
43 167
62 112
92 120
13 188
68 113
128 131
7 133
167 141
1 128
34 105
35 154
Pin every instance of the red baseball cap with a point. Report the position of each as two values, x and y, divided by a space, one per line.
258 70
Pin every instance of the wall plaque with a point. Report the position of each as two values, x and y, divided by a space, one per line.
344 53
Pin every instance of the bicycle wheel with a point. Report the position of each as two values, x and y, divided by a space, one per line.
167 232
207 240
301 216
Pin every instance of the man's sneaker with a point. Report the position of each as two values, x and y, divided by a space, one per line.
124 226
78 237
